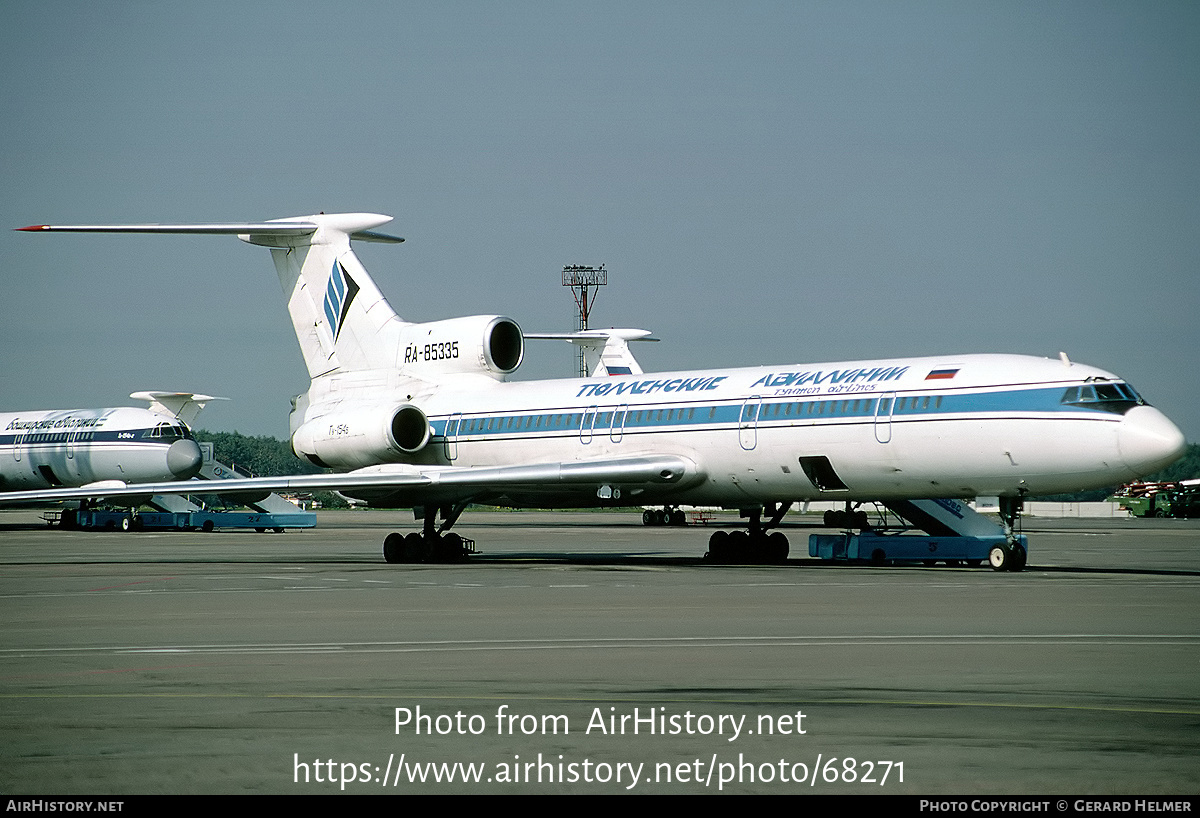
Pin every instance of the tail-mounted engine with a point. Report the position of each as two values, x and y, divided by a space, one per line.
362 437
485 344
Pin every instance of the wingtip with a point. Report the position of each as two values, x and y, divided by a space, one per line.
33 227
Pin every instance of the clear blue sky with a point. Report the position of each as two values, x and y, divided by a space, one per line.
766 182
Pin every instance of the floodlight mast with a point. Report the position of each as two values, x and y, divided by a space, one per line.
584 282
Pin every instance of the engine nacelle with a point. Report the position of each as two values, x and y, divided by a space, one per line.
362 437
486 344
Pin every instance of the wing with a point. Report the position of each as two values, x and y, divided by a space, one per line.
400 486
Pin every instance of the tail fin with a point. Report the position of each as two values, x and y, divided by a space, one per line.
341 319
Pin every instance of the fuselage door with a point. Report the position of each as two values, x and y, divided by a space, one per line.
72 437
451 436
617 430
586 424
883 417
748 422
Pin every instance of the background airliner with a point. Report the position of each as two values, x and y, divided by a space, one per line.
423 415
76 447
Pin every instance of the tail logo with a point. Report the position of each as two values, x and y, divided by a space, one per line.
338 297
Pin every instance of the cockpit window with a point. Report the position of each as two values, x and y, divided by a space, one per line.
168 432
1114 397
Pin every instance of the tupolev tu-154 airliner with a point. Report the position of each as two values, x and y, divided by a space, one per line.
423 415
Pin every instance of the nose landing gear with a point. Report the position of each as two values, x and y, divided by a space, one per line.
1009 555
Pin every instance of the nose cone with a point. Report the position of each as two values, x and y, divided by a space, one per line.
184 459
1148 440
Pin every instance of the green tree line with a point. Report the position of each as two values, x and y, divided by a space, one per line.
263 456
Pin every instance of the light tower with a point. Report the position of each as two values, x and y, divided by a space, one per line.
584 282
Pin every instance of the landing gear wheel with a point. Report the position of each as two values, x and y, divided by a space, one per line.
677 517
1018 558
415 548
393 548
449 548
719 549
647 517
777 548
1000 558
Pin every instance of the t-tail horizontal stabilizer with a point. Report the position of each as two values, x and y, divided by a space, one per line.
605 351
341 319
183 405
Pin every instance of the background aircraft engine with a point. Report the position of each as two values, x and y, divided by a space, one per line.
489 344
363 437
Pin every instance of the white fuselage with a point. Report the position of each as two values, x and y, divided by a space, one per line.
957 426
76 447
422 414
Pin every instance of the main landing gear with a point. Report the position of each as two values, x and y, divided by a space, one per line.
431 544
755 545
851 517
1009 555
668 515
